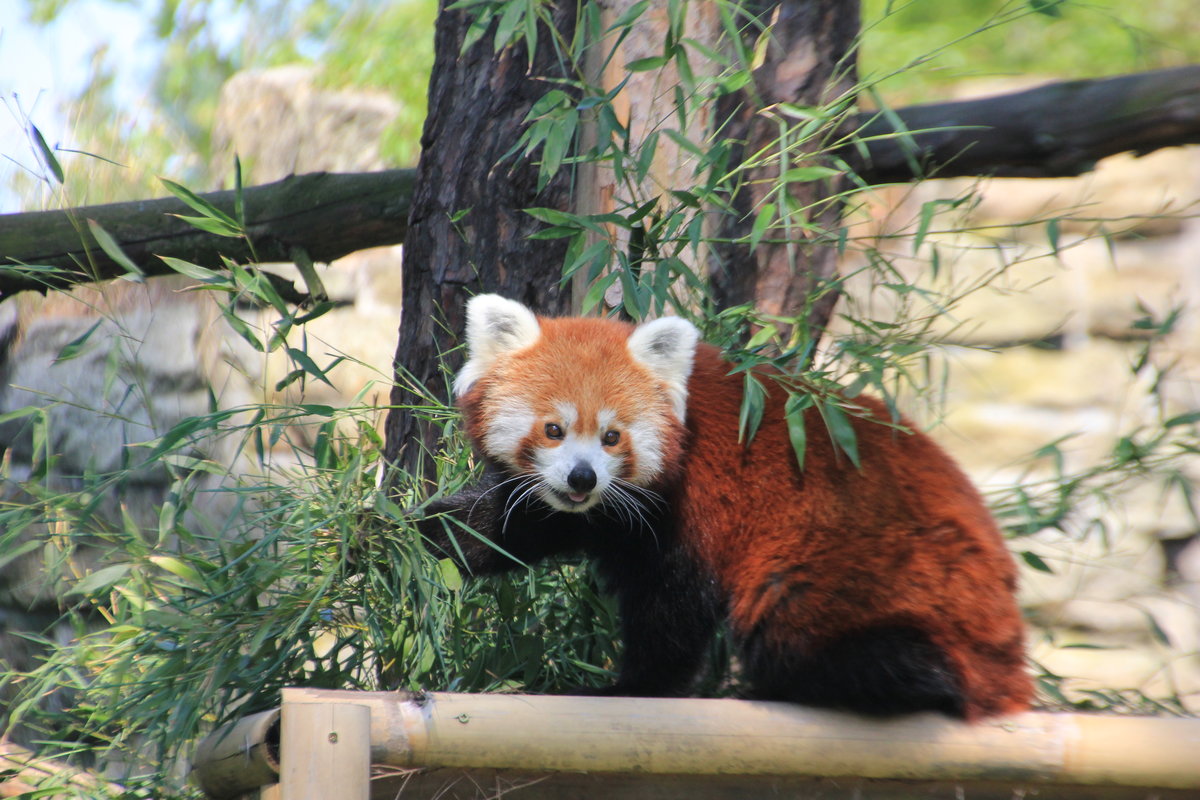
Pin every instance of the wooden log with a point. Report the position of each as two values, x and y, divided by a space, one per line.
1056 130
325 215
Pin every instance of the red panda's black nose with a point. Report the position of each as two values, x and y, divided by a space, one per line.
582 478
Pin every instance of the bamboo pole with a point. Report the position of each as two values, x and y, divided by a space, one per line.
328 748
722 746
239 756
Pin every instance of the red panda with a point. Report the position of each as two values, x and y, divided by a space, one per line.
882 589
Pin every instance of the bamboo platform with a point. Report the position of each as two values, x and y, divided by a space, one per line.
358 745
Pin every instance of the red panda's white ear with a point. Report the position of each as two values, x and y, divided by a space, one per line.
666 347
496 326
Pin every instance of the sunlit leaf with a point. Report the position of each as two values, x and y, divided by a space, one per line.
100 580
841 430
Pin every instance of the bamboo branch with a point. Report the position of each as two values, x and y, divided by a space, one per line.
1057 130
327 215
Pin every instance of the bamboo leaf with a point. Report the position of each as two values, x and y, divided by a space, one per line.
841 431
191 270
808 174
1035 561
595 292
47 155
74 347
179 568
1183 419
754 399
208 225
239 200
11 554
451 577
761 222
793 412
645 158
647 64
1052 234
510 19
100 581
308 365
201 205
113 250
630 16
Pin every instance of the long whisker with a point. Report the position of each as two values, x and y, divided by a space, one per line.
490 489
627 502
532 482
643 493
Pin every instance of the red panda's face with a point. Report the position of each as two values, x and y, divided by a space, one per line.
581 412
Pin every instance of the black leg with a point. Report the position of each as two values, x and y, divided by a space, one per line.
878 671
669 612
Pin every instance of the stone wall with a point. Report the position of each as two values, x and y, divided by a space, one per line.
1047 352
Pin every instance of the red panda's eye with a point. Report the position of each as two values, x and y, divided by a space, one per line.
553 431
611 437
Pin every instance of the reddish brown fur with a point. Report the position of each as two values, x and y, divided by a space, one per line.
909 519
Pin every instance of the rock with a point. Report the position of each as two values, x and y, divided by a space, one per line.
280 122
110 368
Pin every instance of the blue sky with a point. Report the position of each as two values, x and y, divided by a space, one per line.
43 67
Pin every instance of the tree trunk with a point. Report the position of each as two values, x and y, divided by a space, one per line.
467 231
809 62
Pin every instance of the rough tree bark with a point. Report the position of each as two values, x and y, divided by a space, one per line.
467 231
809 61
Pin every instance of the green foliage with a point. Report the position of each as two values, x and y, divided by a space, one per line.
389 49
919 47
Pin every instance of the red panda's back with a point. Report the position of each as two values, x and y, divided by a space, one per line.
810 555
